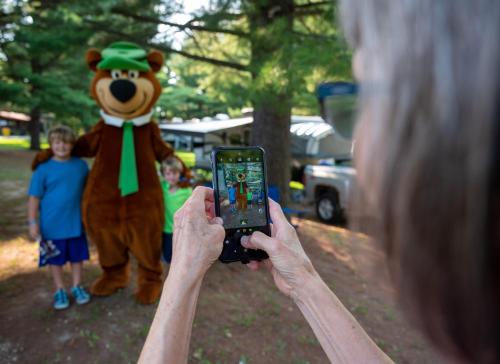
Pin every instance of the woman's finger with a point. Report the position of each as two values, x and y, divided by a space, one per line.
245 242
215 221
202 193
210 209
253 265
277 216
259 240
273 230
196 202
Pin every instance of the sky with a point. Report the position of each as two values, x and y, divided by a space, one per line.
189 7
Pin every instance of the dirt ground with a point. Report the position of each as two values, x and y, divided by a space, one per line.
241 317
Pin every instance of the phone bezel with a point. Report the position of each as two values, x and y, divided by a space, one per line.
231 231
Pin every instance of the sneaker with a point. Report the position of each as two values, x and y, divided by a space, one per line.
81 295
61 301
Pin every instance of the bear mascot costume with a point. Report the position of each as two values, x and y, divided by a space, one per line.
122 206
241 191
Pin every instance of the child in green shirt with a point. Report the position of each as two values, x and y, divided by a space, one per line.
175 193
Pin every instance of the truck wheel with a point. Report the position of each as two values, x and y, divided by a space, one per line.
328 208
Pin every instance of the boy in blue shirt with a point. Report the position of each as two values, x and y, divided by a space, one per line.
232 198
55 194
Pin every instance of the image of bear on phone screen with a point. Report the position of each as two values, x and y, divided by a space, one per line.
238 182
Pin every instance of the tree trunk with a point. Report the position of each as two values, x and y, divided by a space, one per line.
271 130
271 24
34 128
34 124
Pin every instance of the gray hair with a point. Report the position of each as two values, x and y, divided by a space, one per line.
427 143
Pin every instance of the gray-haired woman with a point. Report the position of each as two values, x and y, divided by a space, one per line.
429 115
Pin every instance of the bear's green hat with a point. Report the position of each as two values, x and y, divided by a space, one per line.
124 56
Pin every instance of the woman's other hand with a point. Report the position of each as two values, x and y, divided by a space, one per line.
288 263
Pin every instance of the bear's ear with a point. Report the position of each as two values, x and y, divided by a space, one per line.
93 57
155 60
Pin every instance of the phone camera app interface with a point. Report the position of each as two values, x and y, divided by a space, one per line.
240 179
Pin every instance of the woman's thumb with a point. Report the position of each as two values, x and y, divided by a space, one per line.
258 240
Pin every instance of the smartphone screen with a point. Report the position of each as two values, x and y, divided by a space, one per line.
240 186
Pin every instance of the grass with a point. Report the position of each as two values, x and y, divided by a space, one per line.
361 310
22 143
92 337
14 174
15 142
246 320
308 339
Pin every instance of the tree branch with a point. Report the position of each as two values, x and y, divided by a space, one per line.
216 62
165 48
187 25
308 12
314 36
216 17
312 4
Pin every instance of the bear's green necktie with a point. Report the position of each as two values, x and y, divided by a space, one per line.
241 187
128 171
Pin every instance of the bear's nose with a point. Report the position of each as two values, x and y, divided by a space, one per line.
123 90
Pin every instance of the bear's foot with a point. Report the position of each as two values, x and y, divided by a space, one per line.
106 286
148 292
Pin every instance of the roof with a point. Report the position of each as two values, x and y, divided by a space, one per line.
311 129
306 126
14 116
205 127
304 119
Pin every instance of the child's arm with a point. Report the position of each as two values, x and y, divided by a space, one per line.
33 208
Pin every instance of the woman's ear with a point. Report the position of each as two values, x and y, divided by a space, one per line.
93 57
155 60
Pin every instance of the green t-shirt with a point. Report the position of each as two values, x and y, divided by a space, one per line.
173 202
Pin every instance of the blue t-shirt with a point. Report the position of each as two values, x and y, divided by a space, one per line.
59 186
232 194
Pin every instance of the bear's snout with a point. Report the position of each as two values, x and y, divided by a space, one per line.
122 90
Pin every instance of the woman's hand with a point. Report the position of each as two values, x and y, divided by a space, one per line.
198 234
287 261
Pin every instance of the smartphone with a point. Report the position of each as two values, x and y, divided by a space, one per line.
240 189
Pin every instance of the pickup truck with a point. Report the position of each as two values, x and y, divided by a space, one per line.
328 187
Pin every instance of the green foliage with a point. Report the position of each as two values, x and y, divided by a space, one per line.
43 64
42 54
262 53
294 62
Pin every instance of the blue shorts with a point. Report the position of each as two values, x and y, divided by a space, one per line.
72 250
167 247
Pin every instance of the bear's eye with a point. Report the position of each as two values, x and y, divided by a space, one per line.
133 74
115 74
